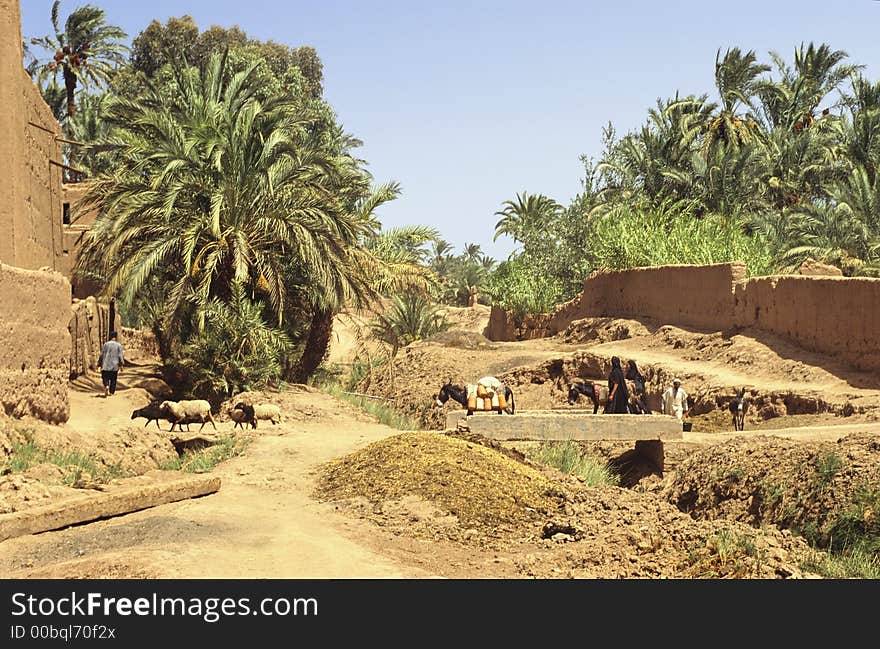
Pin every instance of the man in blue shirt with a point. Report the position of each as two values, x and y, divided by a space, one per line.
111 361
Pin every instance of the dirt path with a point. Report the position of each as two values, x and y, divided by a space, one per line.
262 523
719 373
827 433
139 383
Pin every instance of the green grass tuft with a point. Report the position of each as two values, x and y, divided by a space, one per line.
74 463
828 466
206 459
854 563
567 457
383 413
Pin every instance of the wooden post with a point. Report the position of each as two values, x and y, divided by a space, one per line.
112 315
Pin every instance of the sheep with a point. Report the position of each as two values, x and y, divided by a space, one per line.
186 412
257 411
150 412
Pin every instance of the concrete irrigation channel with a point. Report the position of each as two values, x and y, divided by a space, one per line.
649 432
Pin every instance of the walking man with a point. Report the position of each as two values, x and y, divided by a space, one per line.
675 400
111 361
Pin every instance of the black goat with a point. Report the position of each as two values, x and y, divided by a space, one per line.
250 416
150 412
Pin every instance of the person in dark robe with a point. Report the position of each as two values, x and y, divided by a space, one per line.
618 395
641 393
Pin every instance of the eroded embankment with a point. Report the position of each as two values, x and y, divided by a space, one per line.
828 491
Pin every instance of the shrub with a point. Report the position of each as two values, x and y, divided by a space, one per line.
235 350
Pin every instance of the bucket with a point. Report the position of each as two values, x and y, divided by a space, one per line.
686 426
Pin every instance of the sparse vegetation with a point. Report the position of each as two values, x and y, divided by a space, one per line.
75 464
848 564
206 459
857 528
727 554
383 413
827 466
568 458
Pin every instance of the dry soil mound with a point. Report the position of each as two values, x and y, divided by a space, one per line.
603 330
476 484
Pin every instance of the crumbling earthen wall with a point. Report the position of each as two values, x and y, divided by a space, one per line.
34 356
89 329
140 344
77 223
12 125
839 316
695 296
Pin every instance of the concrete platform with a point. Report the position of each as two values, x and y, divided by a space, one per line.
564 424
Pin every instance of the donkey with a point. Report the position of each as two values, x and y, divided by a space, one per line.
599 394
738 408
589 389
459 393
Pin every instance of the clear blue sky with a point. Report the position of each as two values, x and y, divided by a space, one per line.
466 103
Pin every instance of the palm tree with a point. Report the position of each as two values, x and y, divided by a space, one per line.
212 190
736 79
404 244
527 212
88 127
858 134
366 274
792 101
487 263
410 317
237 350
472 252
84 52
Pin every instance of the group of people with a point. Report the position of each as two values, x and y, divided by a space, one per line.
674 400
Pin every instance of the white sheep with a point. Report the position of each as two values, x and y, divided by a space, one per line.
188 411
257 411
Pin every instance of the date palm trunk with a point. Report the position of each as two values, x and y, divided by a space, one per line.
317 345
70 87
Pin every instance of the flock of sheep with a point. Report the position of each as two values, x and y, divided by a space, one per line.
194 411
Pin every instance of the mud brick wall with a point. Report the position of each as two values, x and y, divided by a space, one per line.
30 187
838 316
35 349
89 329
695 296
42 243
140 344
